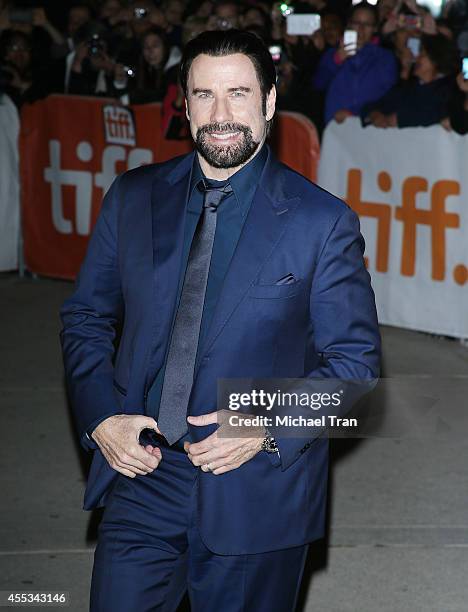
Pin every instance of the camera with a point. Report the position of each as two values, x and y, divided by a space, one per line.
95 46
409 21
129 71
140 13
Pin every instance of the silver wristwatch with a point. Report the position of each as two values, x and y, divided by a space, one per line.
269 443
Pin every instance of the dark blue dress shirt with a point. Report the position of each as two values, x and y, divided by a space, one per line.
232 213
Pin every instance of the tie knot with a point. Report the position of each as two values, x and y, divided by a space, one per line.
214 194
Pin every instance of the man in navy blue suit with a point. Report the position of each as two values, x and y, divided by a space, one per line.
223 263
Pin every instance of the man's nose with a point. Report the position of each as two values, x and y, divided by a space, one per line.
220 111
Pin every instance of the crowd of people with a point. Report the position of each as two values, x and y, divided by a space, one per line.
391 63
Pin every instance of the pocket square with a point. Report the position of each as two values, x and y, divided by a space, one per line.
286 280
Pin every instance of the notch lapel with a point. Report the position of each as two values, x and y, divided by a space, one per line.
266 222
168 206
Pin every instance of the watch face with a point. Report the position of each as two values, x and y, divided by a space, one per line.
269 445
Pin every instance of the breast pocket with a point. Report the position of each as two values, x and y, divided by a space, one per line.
275 292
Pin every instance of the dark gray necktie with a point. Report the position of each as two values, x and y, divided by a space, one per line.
180 364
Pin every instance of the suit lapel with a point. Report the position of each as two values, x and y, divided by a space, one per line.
168 205
266 222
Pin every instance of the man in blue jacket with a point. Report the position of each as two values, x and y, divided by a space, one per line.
223 263
352 76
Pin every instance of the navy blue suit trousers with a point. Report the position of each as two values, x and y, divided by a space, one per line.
150 552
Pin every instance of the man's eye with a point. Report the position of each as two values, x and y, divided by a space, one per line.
238 94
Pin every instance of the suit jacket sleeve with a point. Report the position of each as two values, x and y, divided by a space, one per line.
89 319
343 314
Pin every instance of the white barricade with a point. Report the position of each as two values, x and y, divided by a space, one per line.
409 187
9 185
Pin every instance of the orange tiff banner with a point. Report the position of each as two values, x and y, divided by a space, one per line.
72 148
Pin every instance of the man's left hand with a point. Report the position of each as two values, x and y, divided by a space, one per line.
217 454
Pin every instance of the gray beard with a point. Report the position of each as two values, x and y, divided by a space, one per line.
226 156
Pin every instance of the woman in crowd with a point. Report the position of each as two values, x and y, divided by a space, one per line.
20 78
354 76
423 99
155 70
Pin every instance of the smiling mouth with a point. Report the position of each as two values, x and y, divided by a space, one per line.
224 135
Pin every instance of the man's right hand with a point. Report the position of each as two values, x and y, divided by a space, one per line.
118 439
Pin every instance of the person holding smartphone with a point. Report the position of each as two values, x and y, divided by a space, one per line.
359 71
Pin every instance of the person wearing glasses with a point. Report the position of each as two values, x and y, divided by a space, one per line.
356 73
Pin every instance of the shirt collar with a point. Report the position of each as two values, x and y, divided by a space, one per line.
243 182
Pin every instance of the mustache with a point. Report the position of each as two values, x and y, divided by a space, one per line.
209 128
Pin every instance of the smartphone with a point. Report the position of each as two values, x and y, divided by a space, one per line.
414 45
275 52
465 68
350 41
410 22
303 25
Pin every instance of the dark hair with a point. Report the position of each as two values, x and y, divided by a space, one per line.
9 37
82 4
442 52
226 3
443 22
219 43
364 6
264 31
89 29
161 34
147 76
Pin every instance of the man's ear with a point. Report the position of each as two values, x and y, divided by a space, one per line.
187 110
270 103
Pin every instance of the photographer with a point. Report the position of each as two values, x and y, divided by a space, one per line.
423 100
93 69
356 74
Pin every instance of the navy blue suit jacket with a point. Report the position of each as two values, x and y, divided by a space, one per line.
322 325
